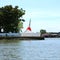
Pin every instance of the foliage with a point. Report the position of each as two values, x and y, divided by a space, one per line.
42 31
9 18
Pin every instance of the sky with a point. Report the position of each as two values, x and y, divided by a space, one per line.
44 14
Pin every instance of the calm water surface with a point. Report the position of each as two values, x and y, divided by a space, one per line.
48 49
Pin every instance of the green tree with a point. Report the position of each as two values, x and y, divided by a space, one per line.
42 31
10 17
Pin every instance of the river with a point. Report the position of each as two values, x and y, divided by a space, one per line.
48 49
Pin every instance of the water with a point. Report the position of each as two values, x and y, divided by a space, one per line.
48 49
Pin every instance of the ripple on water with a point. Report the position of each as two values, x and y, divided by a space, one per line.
30 50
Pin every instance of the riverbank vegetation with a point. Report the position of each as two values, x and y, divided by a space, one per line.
10 17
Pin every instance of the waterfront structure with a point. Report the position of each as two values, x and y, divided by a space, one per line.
28 31
29 27
51 34
30 34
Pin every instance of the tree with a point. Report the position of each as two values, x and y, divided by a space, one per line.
10 17
42 31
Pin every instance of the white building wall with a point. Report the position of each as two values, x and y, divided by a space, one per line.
30 34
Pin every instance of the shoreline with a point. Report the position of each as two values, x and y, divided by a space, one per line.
24 38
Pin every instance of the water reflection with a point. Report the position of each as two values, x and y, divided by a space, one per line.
9 50
9 41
